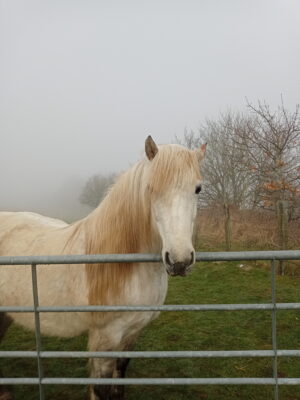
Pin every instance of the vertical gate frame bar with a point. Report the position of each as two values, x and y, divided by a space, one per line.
274 328
37 325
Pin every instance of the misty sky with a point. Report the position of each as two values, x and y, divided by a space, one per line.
82 82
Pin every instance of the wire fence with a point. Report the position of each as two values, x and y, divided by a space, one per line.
39 354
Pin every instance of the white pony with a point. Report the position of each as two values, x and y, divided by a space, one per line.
151 208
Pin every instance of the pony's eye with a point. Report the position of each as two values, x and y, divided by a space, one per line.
198 189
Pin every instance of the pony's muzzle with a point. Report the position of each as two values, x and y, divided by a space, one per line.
179 267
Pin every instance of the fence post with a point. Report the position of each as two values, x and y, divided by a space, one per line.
227 226
37 328
282 218
274 329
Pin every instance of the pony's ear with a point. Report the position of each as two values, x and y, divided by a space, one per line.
201 152
150 148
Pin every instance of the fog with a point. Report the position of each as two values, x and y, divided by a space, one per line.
82 83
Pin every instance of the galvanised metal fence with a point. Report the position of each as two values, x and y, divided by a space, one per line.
39 354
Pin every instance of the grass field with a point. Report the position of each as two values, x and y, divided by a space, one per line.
230 330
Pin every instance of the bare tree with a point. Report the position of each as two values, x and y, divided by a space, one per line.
272 148
252 160
191 139
96 188
227 182
272 152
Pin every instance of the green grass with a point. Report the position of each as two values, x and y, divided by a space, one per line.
229 330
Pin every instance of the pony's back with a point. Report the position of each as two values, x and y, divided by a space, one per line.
20 232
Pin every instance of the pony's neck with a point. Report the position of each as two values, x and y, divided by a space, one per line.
122 223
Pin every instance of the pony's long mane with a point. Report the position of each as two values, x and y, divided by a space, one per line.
122 223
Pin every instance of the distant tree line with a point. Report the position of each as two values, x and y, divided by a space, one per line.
96 188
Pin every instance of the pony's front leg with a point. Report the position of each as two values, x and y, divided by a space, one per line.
114 369
102 367
119 372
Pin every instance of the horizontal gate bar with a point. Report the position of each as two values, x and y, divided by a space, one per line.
138 257
80 259
150 381
149 354
170 307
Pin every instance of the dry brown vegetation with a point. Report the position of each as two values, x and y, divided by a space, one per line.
251 230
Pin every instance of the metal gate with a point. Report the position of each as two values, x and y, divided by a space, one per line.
39 354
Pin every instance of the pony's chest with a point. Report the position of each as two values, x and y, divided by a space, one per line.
148 286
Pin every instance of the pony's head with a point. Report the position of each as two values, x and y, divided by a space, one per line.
174 184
